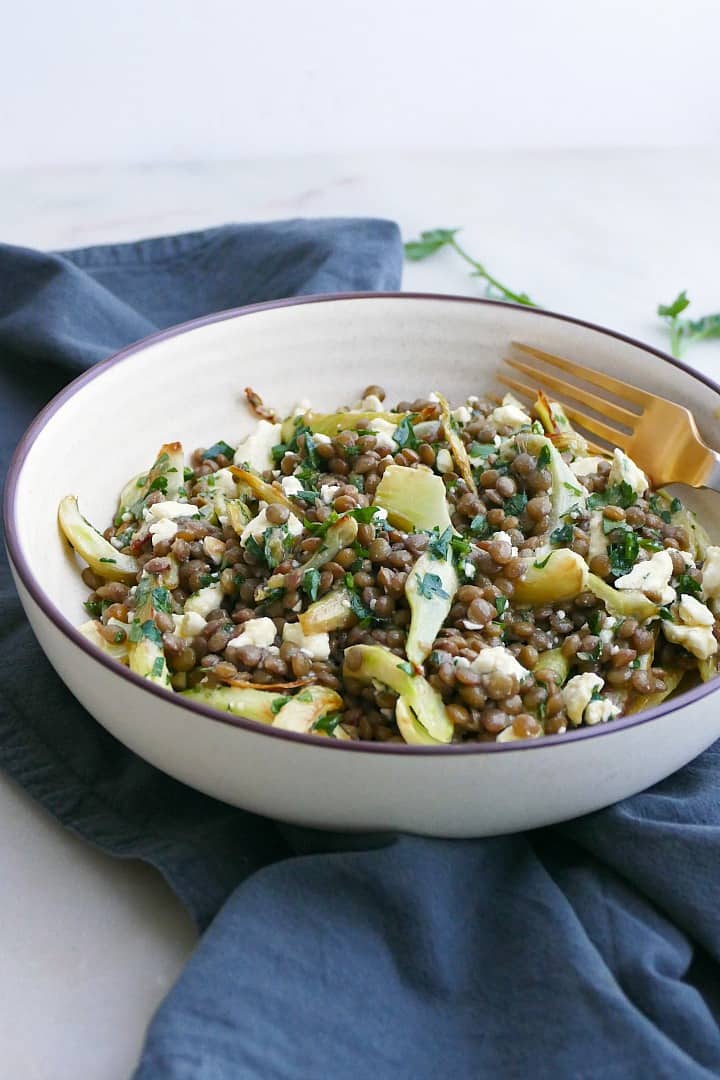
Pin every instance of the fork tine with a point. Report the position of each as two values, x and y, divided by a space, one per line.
531 393
597 378
576 394
603 431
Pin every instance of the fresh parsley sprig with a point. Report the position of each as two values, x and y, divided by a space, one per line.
434 239
684 332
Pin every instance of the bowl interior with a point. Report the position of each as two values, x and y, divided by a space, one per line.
189 386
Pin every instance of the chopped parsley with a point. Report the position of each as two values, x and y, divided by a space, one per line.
158 665
593 621
440 542
593 656
623 554
686 584
217 449
277 704
544 457
482 450
161 599
480 527
407 668
159 484
665 614
108 560
659 507
430 586
311 583
363 514
614 495
404 435
562 535
545 561
515 505
572 488
188 474
305 697
614 526
501 603
328 723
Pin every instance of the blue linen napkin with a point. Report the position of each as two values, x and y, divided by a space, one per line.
590 949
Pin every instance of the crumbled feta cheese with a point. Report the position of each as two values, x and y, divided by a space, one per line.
711 574
224 480
695 629
189 625
473 399
260 524
256 448
205 600
328 492
371 403
302 407
599 712
578 692
510 416
169 509
320 437
116 542
461 661
462 415
469 569
260 632
315 645
503 536
291 485
380 515
652 576
624 470
162 531
585 466
693 613
444 461
498 658
384 431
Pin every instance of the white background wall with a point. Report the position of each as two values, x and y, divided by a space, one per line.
94 81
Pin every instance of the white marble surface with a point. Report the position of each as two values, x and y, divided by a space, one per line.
88 945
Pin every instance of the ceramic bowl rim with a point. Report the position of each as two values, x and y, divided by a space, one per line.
63 624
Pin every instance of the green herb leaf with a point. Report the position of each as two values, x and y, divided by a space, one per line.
94 608
501 603
363 514
162 600
460 546
671 311
150 631
593 621
119 636
188 474
615 495
562 535
407 668
217 448
305 697
665 614
623 554
328 723
544 457
277 703
515 505
431 586
545 561
688 585
482 450
158 665
440 542
675 506
614 526
108 560
135 633
356 481
311 583
430 242
480 527
404 435
159 484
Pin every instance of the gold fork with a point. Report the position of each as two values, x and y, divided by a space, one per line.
659 435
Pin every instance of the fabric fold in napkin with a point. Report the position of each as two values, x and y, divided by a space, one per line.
590 949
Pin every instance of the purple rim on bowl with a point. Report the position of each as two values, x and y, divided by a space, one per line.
63 624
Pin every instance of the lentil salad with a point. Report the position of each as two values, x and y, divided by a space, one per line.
424 574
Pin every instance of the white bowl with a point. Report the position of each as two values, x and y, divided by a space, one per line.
187 384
